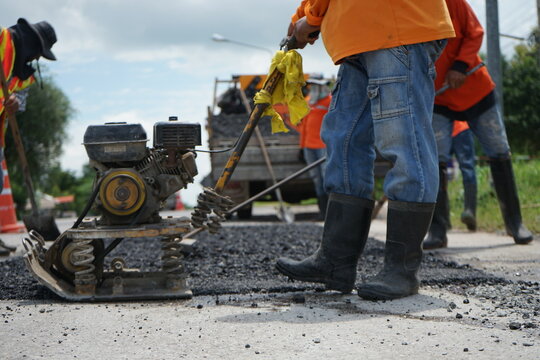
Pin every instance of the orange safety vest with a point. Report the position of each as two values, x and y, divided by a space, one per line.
310 127
459 127
7 57
350 27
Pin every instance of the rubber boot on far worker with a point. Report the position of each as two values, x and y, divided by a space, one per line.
437 237
407 224
505 186
468 216
346 229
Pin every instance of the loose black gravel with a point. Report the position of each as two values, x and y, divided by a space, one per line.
241 259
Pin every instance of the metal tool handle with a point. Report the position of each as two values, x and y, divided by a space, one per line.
269 86
290 42
468 73
18 144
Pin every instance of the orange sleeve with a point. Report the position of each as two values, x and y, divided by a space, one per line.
313 10
300 12
471 31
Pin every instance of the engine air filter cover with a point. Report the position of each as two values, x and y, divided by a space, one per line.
174 134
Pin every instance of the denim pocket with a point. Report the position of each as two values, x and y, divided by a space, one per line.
434 49
401 53
388 96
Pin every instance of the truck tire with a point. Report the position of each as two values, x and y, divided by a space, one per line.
245 212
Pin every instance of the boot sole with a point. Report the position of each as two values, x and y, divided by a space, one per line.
524 241
469 222
330 284
435 246
372 294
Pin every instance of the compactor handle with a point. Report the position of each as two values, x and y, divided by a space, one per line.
290 42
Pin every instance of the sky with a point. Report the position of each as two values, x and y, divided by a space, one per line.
143 61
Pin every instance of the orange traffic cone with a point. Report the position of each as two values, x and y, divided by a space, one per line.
8 219
179 203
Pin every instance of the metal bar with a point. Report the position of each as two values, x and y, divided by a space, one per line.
470 72
278 184
494 49
269 86
262 193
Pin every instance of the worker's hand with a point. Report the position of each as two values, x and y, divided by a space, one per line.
305 33
454 79
11 104
290 29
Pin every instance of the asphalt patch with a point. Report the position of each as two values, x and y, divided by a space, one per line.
240 259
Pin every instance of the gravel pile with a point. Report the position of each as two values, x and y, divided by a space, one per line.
241 259
231 125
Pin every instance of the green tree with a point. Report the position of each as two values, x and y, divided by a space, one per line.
43 131
521 83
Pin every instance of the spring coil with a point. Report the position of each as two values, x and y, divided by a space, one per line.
171 258
207 202
83 256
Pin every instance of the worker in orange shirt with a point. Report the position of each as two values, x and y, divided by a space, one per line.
472 99
383 99
313 148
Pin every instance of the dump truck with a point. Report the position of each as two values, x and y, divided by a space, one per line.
226 119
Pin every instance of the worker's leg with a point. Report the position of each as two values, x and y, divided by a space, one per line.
436 237
348 134
490 131
401 99
463 148
317 175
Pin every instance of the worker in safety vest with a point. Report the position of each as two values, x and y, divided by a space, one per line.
472 99
313 148
383 99
20 44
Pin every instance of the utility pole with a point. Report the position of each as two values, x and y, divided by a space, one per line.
494 63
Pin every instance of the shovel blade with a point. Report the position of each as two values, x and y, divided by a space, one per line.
285 214
43 224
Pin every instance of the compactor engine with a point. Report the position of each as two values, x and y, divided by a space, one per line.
132 182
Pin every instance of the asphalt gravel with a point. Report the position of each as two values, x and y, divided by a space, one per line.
240 260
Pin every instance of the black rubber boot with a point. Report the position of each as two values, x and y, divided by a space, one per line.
322 202
406 227
346 229
468 216
437 238
505 186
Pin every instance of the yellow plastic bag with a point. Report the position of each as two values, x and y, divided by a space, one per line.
288 90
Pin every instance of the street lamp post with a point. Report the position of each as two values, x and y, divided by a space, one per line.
221 38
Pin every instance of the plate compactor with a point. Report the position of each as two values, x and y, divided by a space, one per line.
132 181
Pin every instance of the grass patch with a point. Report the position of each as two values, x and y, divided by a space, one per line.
489 218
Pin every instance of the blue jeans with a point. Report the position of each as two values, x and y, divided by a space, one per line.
488 129
463 148
317 173
384 99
